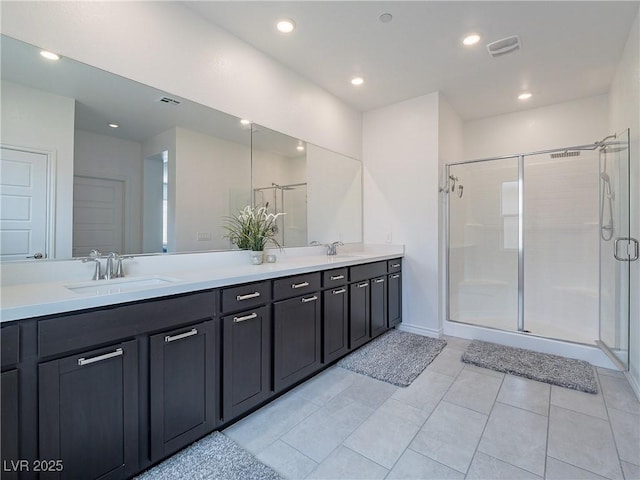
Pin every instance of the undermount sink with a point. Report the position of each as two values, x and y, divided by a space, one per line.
119 285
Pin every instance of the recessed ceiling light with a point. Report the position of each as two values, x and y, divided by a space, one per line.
244 121
114 125
286 25
357 81
524 96
50 55
385 17
471 39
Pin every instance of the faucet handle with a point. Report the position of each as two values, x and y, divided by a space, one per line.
119 268
331 248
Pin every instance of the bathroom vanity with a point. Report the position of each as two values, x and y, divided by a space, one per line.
107 391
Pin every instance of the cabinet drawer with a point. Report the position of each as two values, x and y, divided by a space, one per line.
334 278
10 338
295 286
394 265
245 296
369 270
93 328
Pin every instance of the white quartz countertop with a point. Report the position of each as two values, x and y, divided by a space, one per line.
53 297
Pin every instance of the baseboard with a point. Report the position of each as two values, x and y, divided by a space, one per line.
635 386
425 332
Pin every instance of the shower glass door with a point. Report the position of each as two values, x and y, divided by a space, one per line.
483 243
617 250
561 245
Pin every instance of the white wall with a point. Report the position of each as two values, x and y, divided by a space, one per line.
218 70
578 122
103 156
625 113
35 119
335 196
400 159
211 180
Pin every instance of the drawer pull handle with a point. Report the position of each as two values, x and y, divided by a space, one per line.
87 361
337 277
248 296
362 285
190 333
395 265
246 317
338 292
379 280
395 276
300 285
310 299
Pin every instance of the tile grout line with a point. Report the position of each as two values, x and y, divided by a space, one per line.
475 451
546 446
613 434
426 420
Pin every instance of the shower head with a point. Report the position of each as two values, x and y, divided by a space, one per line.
565 154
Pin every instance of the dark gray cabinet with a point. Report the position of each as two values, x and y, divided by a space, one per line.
9 419
359 313
394 299
88 413
109 391
246 359
335 323
183 386
296 339
378 306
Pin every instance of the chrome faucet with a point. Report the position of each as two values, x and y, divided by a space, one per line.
109 273
331 248
95 256
117 270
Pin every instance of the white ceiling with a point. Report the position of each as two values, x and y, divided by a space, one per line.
569 49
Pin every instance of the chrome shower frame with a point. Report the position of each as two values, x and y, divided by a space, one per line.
521 206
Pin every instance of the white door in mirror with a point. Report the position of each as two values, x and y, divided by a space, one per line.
23 204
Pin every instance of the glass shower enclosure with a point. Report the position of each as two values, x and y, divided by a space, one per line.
539 243
292 201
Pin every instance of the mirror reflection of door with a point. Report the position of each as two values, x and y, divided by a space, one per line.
23 204
98 215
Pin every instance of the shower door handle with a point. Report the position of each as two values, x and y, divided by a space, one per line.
630 257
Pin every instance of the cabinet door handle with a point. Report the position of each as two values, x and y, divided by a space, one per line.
395 265
190 333
395 276
246 317
362 285
248 296
379 280
300 285
337 277
310 299
87 361
338 292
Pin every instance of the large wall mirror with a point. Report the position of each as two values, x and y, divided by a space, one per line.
93 160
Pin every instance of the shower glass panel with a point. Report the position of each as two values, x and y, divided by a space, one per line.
291 200
561 245
483 243
614 229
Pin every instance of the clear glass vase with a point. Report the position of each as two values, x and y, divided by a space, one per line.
256 256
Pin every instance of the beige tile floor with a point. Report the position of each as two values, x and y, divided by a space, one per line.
454 421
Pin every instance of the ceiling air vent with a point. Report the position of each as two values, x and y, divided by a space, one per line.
169 100
504 46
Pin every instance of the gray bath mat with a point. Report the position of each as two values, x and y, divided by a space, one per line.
543 367
216 456
395 357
